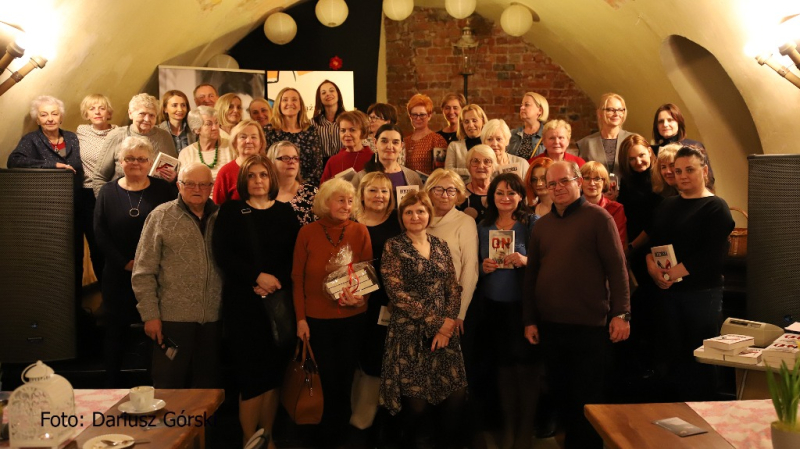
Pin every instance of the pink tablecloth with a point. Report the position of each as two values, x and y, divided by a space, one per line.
86 403
744 424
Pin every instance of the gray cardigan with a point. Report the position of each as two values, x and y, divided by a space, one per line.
590 148
175 277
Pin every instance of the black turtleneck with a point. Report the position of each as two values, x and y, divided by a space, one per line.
636 195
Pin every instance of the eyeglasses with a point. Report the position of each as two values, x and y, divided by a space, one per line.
287 159
612 111
561 183
375 118
440 191
131 159
478 162
597 180
418 116
195 185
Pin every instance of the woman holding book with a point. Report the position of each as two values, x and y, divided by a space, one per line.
290 122
353 126
696 224
247 139
470 126
292 188
255 274
389 147
496 134
375 209
210 149
122 207
421 143
482 164
332 327
422 365
503 236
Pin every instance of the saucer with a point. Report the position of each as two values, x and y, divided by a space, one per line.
95 443
156 405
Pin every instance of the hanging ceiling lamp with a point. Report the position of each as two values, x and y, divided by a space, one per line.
280 28
331 13
460 9
517 19
398 9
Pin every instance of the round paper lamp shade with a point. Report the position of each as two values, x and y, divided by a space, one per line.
331 13
280 28
222 62
460 9
398 9
516 20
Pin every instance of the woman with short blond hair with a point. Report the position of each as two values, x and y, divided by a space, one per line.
527 140
603 146
470 125
247 139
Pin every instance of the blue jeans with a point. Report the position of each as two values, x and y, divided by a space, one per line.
687 318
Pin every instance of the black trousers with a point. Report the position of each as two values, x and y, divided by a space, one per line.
577 360
197 362
335 343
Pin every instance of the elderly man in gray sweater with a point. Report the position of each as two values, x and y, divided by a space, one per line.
178 286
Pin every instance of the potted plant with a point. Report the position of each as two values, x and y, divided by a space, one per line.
785 392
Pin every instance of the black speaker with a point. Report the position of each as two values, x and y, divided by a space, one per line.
773 241
37 265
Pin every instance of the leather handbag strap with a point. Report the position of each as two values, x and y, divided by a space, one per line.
306 345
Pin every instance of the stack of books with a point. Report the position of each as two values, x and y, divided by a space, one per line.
783 349
730 348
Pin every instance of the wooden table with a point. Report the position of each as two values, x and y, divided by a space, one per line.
751 380
624 426
181 404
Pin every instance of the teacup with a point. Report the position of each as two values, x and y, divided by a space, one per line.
142 397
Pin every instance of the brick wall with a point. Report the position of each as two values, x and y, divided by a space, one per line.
420 58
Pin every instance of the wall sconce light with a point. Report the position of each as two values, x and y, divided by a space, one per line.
517 19
467 47
331 13
16 49
785 38
280 28
398 9
460 9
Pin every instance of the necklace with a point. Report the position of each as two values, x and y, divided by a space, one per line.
324 229
216 154
55 145
134 211
505 227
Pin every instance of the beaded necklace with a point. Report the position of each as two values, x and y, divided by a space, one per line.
341 236
216 154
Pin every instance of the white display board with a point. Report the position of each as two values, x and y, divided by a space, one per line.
247 84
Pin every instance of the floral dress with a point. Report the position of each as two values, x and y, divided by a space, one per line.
307 142
303 202
423 292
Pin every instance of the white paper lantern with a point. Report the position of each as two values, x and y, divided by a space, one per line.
331 13
222 62
280 28
516 20
398 9
460 9
41 412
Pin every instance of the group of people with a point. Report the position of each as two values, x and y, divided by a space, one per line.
253 217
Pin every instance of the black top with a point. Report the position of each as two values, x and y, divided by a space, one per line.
248 242
449 137
698 230
636 195
116 231
378 235
477 204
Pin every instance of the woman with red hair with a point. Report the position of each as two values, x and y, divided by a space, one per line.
420 144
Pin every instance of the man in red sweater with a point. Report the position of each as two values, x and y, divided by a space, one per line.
576 299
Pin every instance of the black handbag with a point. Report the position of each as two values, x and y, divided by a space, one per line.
280 310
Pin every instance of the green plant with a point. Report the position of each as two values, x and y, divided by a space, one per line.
785 392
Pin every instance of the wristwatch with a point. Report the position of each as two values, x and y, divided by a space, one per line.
624 316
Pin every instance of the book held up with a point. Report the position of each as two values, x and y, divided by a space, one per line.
163 161
664 256
501 244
